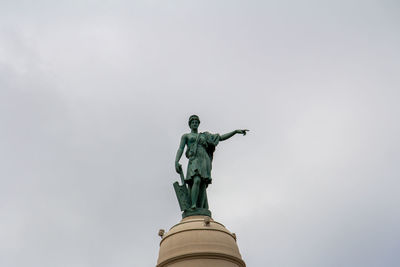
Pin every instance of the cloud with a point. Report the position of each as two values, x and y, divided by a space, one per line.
95 96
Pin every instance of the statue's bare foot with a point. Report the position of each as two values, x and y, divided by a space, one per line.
193 207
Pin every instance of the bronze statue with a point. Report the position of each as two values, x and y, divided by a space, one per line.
199 151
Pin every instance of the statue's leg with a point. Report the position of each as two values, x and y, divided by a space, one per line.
205 204
195 191
190 189
203 196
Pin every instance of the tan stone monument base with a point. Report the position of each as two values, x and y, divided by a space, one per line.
199 241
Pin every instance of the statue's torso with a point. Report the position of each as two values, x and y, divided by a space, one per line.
191 138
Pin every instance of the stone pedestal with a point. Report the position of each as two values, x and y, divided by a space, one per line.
199 241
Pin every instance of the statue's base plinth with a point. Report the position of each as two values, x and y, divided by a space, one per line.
199 241
197 211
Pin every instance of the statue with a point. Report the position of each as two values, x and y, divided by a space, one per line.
200 149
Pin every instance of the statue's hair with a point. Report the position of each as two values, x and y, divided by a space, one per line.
193 117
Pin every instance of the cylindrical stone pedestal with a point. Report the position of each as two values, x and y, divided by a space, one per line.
199 241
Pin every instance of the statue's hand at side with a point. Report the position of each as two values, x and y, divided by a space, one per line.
178 167
242 131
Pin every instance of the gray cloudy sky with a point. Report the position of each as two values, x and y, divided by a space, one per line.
94 96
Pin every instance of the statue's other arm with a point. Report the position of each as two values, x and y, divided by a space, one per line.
229 135
179 153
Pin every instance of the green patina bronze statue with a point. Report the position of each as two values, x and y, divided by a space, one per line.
200 149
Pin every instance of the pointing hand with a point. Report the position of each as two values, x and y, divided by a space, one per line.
242 131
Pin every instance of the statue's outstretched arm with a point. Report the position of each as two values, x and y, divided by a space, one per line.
179 153
229 135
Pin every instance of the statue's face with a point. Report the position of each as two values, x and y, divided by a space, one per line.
194 124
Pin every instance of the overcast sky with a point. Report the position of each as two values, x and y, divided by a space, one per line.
95 95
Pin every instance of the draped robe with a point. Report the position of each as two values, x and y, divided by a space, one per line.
200 155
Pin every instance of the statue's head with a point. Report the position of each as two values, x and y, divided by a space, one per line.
194 121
